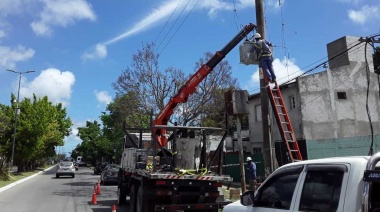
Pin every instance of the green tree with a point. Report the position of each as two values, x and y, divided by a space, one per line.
94 145
40 126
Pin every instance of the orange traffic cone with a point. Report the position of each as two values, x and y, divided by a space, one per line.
114 208
93 201
98 188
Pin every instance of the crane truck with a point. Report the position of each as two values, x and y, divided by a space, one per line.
165 178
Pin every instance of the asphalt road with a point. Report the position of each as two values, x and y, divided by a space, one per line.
47 193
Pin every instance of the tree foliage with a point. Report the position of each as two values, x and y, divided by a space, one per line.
154 87
95 145
40 127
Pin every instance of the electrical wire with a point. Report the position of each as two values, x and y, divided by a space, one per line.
167 21
180 26
173 24
370 152
350 45
340 82
236 17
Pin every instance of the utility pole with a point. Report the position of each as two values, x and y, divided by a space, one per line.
263 91
241 154
16 110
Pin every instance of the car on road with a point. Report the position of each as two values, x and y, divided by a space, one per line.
65 168
100 166
109 174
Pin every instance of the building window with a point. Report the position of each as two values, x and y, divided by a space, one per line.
292 102
258 113
342 95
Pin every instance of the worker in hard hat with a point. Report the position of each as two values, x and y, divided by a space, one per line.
264 53
251 173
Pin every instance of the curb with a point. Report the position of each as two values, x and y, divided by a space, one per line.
23 180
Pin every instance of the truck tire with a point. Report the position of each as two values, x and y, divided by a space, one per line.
132 200
121 196
143 204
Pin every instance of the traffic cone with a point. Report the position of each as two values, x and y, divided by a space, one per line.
114 208
93 201
98 188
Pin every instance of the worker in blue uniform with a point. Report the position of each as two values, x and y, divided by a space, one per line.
262 48
251 173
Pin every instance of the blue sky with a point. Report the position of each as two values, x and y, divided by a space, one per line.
79 47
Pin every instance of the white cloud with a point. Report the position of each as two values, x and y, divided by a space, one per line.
9 56
365 14
99 52
61 13
74 131
284 70
103 97
57 85
155 16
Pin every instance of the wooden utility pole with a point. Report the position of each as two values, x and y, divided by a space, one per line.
241 154
263 90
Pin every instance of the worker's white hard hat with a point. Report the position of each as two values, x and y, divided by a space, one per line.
257 36
249 159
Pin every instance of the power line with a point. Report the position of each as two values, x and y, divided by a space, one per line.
173 25
180 26
352 45
167 21
338 53
236 17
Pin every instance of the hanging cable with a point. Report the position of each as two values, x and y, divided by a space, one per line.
351 45
180 25
370 152
167 21
236 17
173 24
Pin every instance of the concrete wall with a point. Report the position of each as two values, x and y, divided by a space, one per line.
340 127
325 116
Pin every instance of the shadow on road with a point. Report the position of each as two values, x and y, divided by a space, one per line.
73 192
80 183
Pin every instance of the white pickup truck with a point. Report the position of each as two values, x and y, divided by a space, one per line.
330 184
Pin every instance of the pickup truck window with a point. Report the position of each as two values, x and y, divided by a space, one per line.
278 191
321 190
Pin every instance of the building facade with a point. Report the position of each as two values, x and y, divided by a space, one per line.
328 109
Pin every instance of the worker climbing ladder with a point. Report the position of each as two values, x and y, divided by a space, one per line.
283 122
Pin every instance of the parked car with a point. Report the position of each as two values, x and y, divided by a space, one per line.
100 167
109 174
65 168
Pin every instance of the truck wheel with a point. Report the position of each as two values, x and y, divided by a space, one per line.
132 200
142 204
121 196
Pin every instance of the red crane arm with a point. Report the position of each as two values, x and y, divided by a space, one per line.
190 86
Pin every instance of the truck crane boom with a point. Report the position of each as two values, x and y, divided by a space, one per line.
190 86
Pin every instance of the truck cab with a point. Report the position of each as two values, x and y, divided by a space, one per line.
331 184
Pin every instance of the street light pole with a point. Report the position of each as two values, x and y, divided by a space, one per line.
16 110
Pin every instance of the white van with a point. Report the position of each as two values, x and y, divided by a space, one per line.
79 160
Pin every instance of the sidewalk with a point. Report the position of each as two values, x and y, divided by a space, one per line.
23 180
